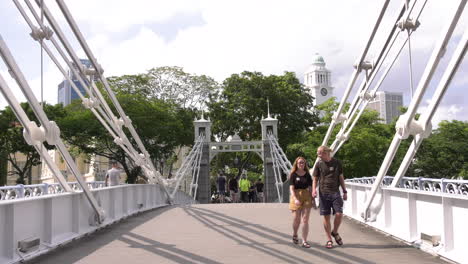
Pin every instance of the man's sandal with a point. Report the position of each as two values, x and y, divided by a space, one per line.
305 244
295 240
338 239
329 244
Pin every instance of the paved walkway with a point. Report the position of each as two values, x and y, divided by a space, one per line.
229 233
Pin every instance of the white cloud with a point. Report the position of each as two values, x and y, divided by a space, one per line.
445 112
117 15
265 36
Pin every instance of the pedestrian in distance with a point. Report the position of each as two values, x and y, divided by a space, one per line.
252 193
328 173
221 184
113 175
234 189
244 186
259 185
300 200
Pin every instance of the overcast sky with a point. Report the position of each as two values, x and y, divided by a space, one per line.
219 38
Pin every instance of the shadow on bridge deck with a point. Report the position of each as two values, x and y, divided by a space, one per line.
229 233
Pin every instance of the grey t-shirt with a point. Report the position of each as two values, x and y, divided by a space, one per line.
328 174
114 176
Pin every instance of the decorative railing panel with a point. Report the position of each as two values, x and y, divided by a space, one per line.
417 209
422 184
62 217
34 190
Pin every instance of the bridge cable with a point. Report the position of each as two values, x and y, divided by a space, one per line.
350 116
106 112
406 123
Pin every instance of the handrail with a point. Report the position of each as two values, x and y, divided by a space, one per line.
419 183
33 190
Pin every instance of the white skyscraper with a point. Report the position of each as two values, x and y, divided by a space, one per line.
387 104
318 79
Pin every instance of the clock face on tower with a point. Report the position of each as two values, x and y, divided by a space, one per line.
323 92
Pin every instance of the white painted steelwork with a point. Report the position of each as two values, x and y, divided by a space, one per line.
407 124
406 20
35 135
48 131
242 146
409 213
59 218
190 168
281 164
95 100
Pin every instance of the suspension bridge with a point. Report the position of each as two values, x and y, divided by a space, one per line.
167 222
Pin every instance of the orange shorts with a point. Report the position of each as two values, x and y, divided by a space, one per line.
304 196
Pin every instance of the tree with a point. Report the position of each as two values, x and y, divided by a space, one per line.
187 90
161 125
242 103
444 154
3 167
12 141
362 154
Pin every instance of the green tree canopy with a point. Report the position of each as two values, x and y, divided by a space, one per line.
187 90
12 141
242 103
444 154
162 126
362 154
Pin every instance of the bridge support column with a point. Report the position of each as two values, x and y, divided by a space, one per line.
270 192
204 185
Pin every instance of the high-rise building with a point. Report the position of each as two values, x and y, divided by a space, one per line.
318 79
387 104
66 93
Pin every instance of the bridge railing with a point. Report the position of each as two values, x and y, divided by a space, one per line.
420 211
34 190
420 183
48 221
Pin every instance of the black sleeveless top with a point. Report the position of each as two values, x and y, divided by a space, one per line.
300 182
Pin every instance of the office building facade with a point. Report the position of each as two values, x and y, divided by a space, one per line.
66 93
387 104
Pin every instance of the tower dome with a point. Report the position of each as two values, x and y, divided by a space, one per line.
318 60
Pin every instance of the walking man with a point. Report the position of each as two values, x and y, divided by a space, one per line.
221 187
329 174
113 175
259 185
234 189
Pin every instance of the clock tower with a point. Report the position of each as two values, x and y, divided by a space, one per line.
318 79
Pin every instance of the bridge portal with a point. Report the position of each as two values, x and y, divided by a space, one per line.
274 160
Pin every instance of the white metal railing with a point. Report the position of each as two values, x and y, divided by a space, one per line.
434 221
63 217
422 184
35 190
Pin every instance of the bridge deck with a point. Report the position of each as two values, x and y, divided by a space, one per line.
229 233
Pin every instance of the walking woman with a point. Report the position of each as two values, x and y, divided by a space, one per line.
300 200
